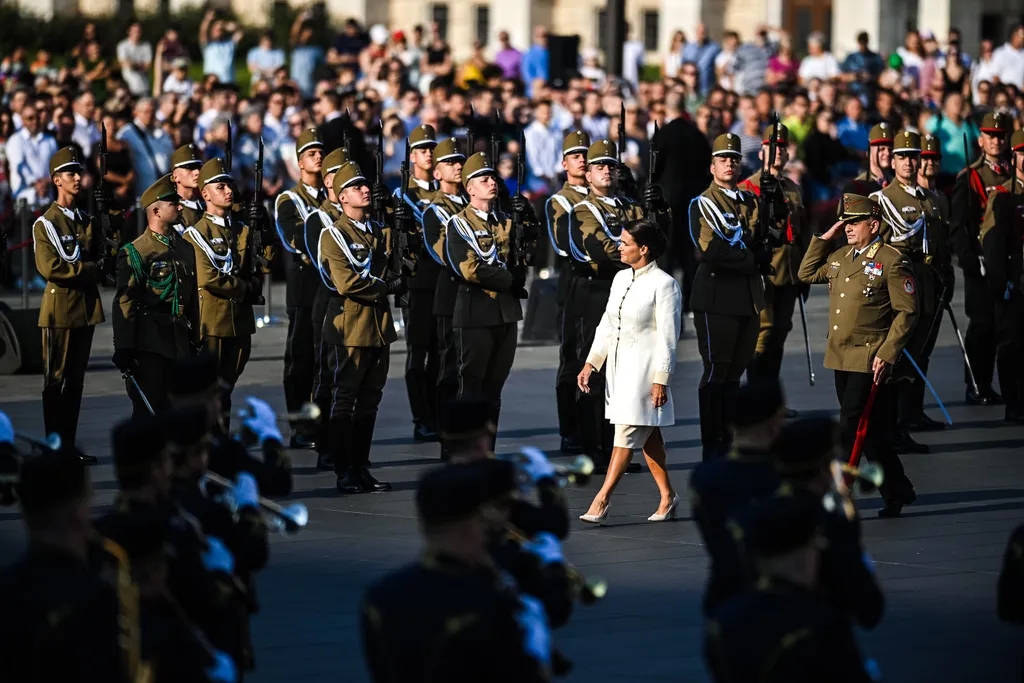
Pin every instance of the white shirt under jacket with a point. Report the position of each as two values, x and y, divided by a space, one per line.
637 338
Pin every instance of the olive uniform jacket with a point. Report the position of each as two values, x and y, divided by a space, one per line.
477 248
435 220
221 249
144 316
319 220
418 195
872 302
968 205
63 240
1002 232
727 281
786 257
595 229
355 255
291 209
191 213
557 211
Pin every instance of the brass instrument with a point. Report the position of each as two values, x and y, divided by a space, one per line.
587 590
288 519
577 472
846 480
309 412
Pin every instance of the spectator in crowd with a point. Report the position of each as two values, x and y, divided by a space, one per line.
264 59
950 126
1009 59
595 121
750 140
168 51
852 131
218 39
18 100
15 66
42 66
149 146
704 53
929 67
985 69
375 54
751 64
862 68
543 149
508 58
306 57
222 100
177 80
437 59
28 159
535 61
690 77
591 69
87 133
674 58
348 44
409 104
783 67
799 120
632 58
818 64
120 177
824 157
912 54
88 36
953 75
92 68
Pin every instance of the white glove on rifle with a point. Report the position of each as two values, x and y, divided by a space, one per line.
217 557
546 547
223 669
537 464
246 492
262 420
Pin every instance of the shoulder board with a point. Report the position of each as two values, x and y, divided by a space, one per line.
873 249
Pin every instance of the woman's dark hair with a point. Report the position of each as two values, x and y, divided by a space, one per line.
647 233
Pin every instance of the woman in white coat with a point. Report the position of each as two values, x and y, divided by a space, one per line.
636 345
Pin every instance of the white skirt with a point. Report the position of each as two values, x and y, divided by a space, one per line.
631 437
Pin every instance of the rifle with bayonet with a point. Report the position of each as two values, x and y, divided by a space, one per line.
257 231
517 246
652 160
228 150
771 204
108 236
402 262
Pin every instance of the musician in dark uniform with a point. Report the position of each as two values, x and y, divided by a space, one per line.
185 164
450 617
968 204
879 172
728 289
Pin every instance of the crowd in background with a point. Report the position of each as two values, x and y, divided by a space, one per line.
149 99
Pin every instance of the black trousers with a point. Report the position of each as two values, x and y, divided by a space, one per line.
65 359
980 338
299 358
726 344
323 379
154 375
447 387
485 356
422 356
776 322
232 354
853 390
569 367
910 387
1009 349
358 376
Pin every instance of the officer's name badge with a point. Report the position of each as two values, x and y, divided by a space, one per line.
217 240
873 269
728 215
67 238
482 233
835 264
909 209
358 247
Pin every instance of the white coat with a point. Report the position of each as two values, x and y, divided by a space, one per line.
636 338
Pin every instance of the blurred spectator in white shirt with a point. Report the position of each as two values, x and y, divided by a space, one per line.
87 133
1009 58
135 58
28 159
543 148
149 145
818 63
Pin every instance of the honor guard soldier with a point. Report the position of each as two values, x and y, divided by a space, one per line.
487 308
782 286
228 281
911 222
291 210
185 164
1002 232
66 245
873 310
358 328
449 200
968 205
784 629
421 360
450 616
557 212
728 289
156 309
879 172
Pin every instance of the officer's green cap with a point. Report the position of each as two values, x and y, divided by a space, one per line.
477 165
213 171
996 122
448 150
1017 140
785 523
186 156
576 141
930 146
727 144
348 175
422 136
466 418
781 138
857 207
455 492
310 137
880 134
334 161
805 445
163 189
602 152
50 480
907 142
66 159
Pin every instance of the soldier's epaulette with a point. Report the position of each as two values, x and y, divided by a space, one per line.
873 249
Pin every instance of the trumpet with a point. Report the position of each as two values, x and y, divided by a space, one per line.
577 472
588 590
287 519
865 479
52 442
308 412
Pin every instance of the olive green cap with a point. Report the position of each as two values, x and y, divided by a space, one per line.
907 142
213 171
602 152
881 134
422 136
334 161
727 144
477 165
348 175
857 206
66 159
781 138
576 141
163 189
996 122
1017 140
448 150
186 156
930 146
310 137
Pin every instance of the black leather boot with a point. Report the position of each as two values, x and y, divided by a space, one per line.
340 449
362 438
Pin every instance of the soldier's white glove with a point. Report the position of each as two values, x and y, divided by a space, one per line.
217 557
246 492
537 464
262 421
536 632
545 546
223 669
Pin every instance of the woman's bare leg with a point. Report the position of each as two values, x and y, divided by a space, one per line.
654 452
621 458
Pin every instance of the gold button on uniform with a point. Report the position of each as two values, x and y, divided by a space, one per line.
835 327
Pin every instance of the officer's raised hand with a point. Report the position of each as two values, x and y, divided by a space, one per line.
832 232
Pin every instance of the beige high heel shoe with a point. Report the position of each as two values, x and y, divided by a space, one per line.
670 514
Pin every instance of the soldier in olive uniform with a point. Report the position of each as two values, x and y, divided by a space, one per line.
185 164
1002 232
557 211
781 287
879 172
226 288
291 210
728 289
873 310
156 310
449 200
65 242
358 327
421 360
967 210
487 308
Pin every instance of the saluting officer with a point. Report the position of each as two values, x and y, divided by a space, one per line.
782 286
156 309
557 211
728 289
358 327
66 246
421 360
302 278
449 200
487 308
1002 233
879 172
222 248
873 310
967 210
185 164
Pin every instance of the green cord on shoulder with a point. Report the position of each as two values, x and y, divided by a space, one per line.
167 288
